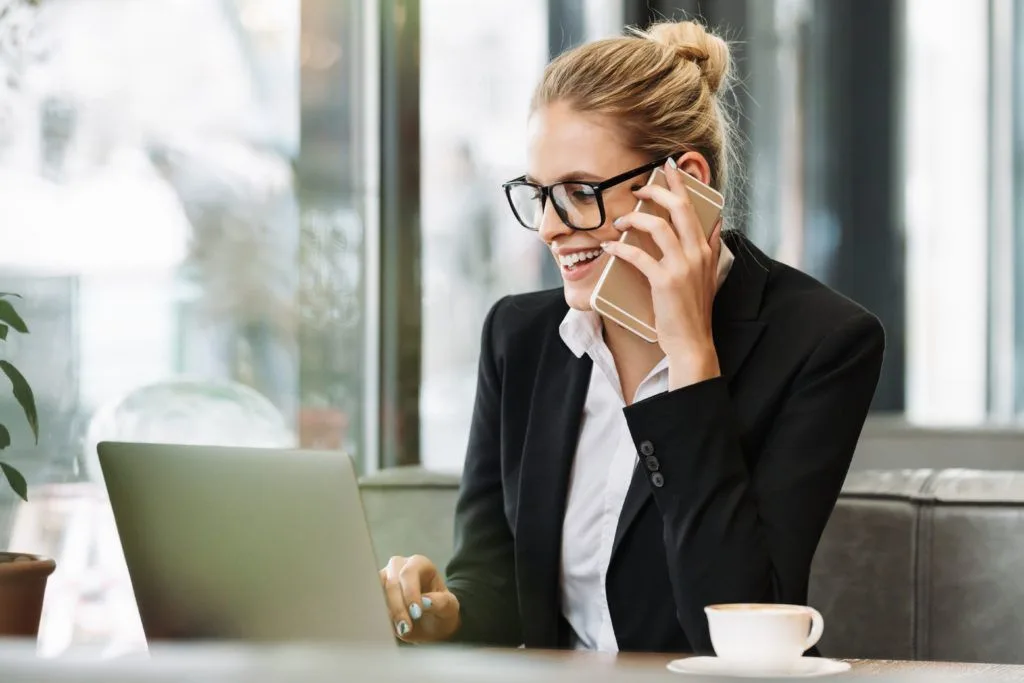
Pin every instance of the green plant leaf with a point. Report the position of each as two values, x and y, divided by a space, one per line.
5 438
3 332
10 316
16 481
23 392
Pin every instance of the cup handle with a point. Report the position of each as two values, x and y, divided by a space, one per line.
817 628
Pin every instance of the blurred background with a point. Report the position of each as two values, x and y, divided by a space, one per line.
280 223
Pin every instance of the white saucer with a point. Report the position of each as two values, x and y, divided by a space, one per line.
805 667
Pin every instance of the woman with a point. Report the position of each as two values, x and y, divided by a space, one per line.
613 488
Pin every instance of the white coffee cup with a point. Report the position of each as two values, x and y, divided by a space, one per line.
763 636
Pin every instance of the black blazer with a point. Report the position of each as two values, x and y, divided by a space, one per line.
735 478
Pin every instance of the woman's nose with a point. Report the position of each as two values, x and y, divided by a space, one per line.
551 226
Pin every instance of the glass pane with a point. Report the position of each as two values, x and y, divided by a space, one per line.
870 207
191 270
1018 209
947 275
334 197
475 88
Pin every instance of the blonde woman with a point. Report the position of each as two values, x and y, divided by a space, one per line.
613 488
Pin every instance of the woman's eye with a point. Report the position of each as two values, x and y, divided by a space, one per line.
581 194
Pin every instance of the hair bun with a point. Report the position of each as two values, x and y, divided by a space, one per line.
693 43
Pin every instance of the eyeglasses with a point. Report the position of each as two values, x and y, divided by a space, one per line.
578 203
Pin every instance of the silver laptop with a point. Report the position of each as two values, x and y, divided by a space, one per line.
249 544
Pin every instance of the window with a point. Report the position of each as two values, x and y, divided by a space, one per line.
191 269
892 191
947 269
479 65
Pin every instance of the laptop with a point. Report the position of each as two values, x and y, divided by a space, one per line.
245 544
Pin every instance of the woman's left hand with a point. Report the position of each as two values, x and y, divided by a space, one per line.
683 282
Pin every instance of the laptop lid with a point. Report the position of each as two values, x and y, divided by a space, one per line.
245 543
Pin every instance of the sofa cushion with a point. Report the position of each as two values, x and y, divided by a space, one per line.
971 590
862 577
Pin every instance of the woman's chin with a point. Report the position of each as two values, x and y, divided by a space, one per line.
578 297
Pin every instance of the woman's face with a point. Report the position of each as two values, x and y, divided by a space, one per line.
566 145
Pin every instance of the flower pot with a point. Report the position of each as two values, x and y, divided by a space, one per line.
22 586
322 428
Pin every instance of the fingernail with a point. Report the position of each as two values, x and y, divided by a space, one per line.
604 245
403 627
427 603
618 221
672 163
415 612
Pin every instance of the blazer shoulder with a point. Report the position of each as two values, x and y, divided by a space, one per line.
795 298
522 317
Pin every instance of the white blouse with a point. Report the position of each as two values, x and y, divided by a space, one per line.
601 472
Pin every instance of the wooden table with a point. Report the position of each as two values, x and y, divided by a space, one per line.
625 667
236 664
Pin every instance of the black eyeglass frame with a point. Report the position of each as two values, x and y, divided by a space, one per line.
598 188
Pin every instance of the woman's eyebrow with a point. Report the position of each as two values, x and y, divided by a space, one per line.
572 175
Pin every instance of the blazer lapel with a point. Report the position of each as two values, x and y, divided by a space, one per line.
556 411
735 324
735 328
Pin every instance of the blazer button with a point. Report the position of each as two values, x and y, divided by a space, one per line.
652 463
646 448
657 479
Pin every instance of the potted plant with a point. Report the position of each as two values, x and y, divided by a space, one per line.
22 576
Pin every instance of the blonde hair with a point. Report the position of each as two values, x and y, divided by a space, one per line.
663 86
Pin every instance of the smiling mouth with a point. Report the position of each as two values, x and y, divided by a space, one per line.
571 261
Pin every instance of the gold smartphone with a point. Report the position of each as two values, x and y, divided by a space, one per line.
623 294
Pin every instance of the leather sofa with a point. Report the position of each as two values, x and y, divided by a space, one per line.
914 564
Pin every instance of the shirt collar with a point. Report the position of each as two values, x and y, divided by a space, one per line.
725 260
580 330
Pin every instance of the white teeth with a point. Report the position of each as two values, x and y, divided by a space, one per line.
570 260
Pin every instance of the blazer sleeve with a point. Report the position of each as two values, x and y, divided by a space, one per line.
735 532
481 573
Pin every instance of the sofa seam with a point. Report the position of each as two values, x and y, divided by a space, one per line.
921 612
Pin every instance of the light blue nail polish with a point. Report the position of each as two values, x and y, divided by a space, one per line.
618 221
672 163
427 603
415 612
403 628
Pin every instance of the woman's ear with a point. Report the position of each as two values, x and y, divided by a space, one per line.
696 165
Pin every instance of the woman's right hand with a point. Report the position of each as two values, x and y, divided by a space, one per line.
421 606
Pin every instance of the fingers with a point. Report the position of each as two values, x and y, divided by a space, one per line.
405 579
659 230
442 605
676 200
417 573
441 612
400 617
684 217
635 256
